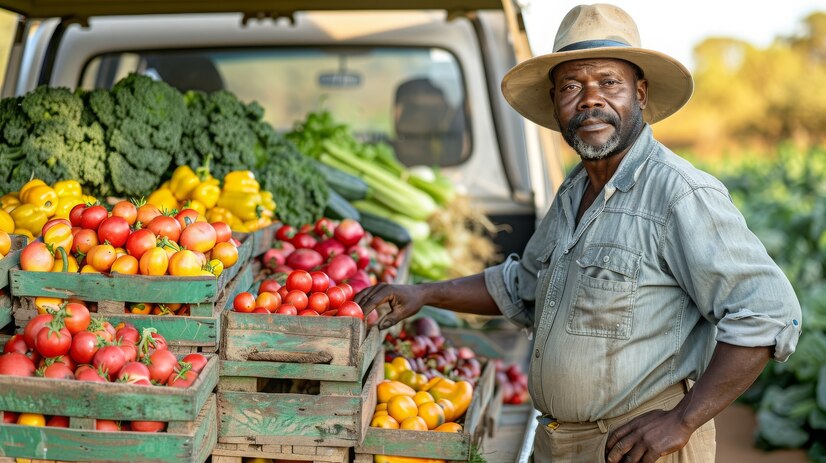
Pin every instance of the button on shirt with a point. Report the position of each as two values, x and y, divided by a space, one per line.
631 300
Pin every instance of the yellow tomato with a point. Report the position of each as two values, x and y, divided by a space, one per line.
414 423
31 419
71 263
402 407
184 263
45 304
422 397
384 421
5 243
386 390
125 265
226 252
154 262
449 427
432 414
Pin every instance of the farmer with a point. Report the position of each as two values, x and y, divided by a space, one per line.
641 279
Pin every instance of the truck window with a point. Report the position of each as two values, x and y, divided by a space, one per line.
413 98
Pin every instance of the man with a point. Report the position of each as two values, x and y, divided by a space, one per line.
642 277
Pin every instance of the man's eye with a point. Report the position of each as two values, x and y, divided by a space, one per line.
610 82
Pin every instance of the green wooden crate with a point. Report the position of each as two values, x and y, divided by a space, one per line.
237 453
5 310
335 417
431 444
189 441
8 262
260 240
200 331
114 401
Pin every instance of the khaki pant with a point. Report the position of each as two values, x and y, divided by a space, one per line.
585 442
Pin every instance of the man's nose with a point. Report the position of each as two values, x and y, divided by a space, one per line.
591 97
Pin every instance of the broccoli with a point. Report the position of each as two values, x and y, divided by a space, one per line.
143 120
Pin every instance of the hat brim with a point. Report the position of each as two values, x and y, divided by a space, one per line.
526 86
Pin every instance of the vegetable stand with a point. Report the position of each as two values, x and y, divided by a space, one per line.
8 262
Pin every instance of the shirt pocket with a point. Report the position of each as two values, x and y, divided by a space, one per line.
604 299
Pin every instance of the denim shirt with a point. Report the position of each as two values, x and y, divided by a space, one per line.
631 300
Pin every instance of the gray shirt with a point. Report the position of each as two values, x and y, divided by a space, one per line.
631 300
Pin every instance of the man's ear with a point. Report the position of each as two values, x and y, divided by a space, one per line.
642 93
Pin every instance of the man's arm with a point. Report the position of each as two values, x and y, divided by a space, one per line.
465 295
648 437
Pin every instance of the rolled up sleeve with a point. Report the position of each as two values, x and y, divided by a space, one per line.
727 272
502 283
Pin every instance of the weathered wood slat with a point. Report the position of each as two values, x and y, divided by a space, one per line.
5 310
289 370
234 453
10 260
108 400
339 327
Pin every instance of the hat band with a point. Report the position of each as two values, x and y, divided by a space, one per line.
586 44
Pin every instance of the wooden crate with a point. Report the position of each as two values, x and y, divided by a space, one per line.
115 401
235 453
260 240
198 332
335 417
188 441
431 444
5 310
7 263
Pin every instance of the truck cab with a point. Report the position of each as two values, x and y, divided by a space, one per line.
424 77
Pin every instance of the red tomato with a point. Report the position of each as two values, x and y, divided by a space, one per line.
285 233
33 327
269 301
58 421
350 309
130 352
222 232
109 359
271 286
318 302
77 317
83 241
76 213
147 426
244 302
131 372
16 343
147 212
282 291
300 280
308 313
324 227
101 257
286 309
348 290
196 361
139 242
260 310
84 347
89 373
115 230
337 295
199 236
63 359
303 241
360 254
182 379
320 281
16 364
330 313
349 232
93 216
107 425
51 342
161 364
187 217
127 334
163 225
10 417
58 371
297 298
36 257
126 210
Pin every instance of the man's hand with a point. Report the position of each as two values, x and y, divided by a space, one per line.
647 438
394 302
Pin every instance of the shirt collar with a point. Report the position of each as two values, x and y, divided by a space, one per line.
629 169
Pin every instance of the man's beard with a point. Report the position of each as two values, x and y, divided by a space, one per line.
612 146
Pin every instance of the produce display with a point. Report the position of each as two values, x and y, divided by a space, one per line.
25 212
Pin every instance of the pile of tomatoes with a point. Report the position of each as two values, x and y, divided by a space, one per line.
70 344
304 293
131 239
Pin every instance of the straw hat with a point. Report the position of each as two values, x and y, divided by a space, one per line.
597 31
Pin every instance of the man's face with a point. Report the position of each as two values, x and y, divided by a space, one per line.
598 103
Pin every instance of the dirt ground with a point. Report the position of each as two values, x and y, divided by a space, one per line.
735 431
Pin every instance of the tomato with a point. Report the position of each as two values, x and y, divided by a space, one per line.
130 352
33 327
225 252
127 334
91 374
269 301
63 360
350 309
184 264
36 257
303 241
147 426
244 302
140 241
101 257
58 371
83 241
131 372
320 281
282 291
58 235
16 364
154 262
271 286
336 295
223 232
163 225
182 379
77 317
140 308
349 232
109 359
52 341
31 419
126 210
161 364
16 343
341 267
384 421
318 302
76 213
10 417
360 254
146 213
107 425
260 310
71 263
285 233
348 290
199 236
115 230
286 309
297 298
300 280
125 265
93 216
196 361
308 313
324 227
84 347
187 217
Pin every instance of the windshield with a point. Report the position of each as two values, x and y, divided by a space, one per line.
413 98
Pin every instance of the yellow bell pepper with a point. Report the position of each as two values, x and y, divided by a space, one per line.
29 217
267 201
67 188
42 196
6 222
65 205
183 181
28 186
244 205
219 214
242 181
9 201
207 194
163 199
196 205
257 224
459 393
394 368
24 232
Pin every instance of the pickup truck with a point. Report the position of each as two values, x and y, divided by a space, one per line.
424 76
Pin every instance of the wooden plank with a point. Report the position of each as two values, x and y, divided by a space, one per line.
10 260
286 370
338 327
108 400
5 310
316 454
481 399
241 343
423 444
370 394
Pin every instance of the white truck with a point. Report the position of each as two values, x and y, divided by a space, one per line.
423 75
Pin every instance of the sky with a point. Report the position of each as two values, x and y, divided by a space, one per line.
675 28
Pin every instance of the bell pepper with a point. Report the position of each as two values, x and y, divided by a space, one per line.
244 205
163 199
28 186
207 194
65 205
9 201
67 188
183 181
42 196
386 390
267 201
394 368
257 224
195 205
29 217
6 222
219 214
459 393
242 181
